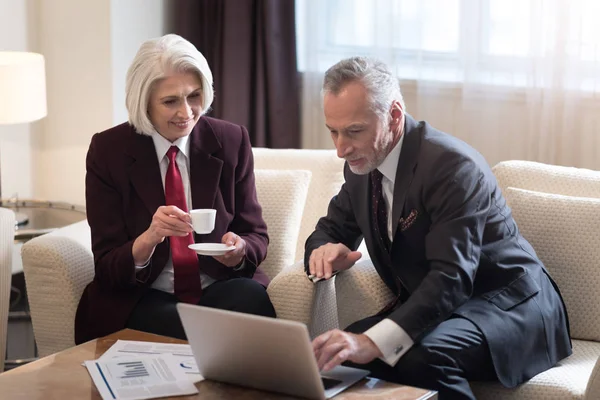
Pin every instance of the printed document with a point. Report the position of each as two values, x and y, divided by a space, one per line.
181 352
140 377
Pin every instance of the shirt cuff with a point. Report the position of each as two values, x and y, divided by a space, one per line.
241 266
140 267
391 339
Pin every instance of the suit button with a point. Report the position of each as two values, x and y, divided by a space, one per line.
398 349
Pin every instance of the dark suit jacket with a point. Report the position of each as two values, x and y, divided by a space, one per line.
124 190
459 253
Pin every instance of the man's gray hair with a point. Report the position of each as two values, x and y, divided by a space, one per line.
382 86
154 60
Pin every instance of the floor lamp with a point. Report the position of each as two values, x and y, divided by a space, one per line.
22 92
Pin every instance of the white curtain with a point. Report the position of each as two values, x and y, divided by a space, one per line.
516 79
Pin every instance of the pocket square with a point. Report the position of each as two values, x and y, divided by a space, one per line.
407 222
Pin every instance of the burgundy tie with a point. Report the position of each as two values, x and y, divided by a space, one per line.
380 214
185 261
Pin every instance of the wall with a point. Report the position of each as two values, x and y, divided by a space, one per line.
16 169
88 47
132 22
75 39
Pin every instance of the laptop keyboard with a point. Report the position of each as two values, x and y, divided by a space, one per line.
328 383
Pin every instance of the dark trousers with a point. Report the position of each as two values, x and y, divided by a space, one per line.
156 311
452 354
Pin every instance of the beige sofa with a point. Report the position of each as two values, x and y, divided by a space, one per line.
562 228
294 188
558 210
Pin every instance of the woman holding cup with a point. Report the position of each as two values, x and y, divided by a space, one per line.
150 183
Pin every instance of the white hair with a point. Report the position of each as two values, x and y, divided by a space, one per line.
154 60
383 88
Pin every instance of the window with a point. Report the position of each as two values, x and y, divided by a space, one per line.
540 43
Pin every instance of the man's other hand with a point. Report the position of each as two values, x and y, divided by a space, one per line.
334 347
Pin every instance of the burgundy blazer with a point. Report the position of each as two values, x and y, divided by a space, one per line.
123 191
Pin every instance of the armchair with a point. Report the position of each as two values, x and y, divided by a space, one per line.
558 210
7 235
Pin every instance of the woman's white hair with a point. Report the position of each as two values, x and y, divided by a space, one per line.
154 60
382 86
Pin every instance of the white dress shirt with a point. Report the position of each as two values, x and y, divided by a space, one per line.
389 337
166 279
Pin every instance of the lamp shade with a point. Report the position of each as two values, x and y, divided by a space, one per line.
22 87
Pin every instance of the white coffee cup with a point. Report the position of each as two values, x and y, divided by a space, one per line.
203 219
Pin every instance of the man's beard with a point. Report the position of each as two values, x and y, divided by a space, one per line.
375 160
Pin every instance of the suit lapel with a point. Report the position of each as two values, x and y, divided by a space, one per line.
406 167
205 170
144 172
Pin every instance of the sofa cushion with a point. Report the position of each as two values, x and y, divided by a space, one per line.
292 294
360 293
564 232
327 179
530 175
282 196
567 380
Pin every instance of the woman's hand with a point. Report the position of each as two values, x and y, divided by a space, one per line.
234 257
169 221
166 221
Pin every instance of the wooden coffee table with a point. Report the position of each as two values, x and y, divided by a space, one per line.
61 376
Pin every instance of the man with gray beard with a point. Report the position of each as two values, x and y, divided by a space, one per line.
473 300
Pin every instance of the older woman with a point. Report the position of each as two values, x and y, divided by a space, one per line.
142 179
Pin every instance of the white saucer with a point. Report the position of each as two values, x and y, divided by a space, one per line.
211 249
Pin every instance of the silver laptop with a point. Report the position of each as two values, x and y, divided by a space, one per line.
261 353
